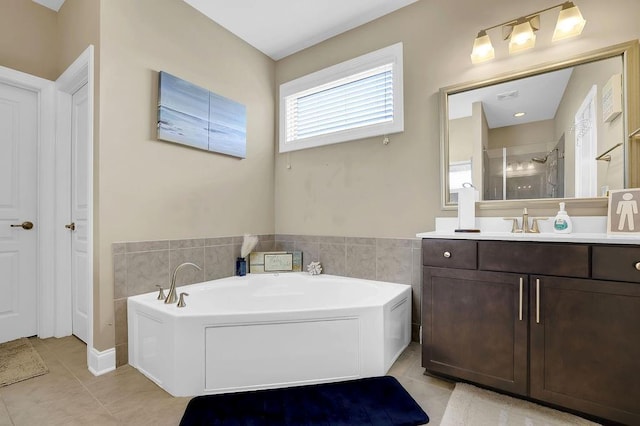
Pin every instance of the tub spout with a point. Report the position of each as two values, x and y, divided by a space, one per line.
171 297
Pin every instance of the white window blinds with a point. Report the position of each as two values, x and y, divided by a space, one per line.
336 105
360 100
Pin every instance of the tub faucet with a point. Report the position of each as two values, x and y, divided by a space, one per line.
171 297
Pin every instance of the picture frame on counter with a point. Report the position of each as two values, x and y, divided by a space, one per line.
623 217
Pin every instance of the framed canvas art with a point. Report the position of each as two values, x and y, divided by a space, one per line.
193 116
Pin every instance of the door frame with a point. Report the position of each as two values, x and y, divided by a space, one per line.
79 73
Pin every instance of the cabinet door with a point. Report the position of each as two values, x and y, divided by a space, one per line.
585 346
475 326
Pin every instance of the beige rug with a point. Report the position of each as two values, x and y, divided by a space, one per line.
19 361
469 406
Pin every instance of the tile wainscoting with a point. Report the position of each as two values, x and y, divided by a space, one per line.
140 266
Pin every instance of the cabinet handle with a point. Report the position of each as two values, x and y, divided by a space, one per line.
448 254
637 265
520 308
537 301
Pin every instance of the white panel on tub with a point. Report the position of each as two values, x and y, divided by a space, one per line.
286 352
398 331
151 358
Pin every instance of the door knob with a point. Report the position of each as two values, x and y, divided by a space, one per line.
71 226
23 225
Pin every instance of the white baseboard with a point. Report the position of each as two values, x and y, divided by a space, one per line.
101 362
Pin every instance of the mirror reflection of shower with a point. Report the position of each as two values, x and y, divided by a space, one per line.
541 160
525 172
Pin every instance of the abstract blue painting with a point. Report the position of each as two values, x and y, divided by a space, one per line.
191 115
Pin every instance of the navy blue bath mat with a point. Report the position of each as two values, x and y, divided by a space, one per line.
376 401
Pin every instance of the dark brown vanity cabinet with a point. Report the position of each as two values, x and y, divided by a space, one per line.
474 327
585 346
555 322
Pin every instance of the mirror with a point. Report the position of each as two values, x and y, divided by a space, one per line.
557 131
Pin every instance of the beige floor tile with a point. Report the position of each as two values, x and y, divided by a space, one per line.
149 398
432 399
62 343
5 420
55 412
167 413
71 395
113 387
51 386
93 419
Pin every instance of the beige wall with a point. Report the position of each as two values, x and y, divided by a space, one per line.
479 143
153 190
42 42
460 134
364 188
582 79
539 133
78 27
28 40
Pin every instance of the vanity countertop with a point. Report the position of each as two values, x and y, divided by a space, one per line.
593 238
587 229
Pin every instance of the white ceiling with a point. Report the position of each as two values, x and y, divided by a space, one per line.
538 96
279 28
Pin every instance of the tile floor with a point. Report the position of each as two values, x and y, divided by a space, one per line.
70 395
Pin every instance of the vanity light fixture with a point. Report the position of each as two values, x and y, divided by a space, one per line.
570 22
521 31
522 36
482 48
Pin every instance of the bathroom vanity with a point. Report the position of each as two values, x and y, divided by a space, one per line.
553 319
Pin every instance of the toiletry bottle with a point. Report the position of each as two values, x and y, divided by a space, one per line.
241 267
562 222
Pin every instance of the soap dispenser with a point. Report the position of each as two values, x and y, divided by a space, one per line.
562 222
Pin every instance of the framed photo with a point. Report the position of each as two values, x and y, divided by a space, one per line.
261 262
624 212
278 262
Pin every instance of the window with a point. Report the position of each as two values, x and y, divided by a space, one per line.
459 174
355 99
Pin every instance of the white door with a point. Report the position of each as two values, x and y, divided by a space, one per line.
585 149
18 206
79 213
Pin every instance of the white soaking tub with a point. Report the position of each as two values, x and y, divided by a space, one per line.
269 330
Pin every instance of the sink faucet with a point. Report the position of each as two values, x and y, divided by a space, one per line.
171 297
525 229
525 221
